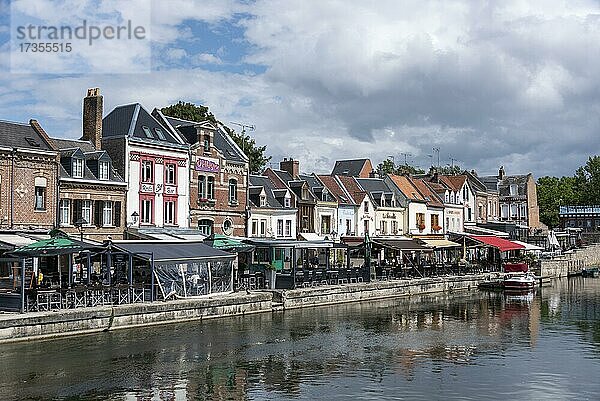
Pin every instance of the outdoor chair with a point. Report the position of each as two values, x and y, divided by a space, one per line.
342 276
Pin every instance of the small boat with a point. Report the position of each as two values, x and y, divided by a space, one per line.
590 272
518 282
518 277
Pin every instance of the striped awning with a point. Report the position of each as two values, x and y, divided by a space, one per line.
440 243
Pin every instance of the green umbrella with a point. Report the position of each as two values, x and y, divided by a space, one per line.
223 242
52 247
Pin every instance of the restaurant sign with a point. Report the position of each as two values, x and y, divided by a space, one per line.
207 165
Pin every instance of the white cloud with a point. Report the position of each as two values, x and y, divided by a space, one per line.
207 58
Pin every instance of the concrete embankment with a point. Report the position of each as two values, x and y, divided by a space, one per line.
39 325
571 263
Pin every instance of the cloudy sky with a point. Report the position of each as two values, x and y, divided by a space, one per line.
489 83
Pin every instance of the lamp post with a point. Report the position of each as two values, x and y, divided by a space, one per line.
79 225
134 218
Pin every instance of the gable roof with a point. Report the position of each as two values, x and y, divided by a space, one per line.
427 192
406 186
258 184
336 189
222 140
350 168
64 143
22 135
454 182
376 188
352 187
69 148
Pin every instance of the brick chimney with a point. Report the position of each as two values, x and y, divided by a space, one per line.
501 173
92 117
291 166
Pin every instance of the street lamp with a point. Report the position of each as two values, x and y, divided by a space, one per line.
134 218
79 225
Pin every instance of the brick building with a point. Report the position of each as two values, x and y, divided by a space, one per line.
359 168
92 193
218 175
28 177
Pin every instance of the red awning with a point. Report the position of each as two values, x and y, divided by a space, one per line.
500 243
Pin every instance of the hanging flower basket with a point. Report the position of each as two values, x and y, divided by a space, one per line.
421 227
436 228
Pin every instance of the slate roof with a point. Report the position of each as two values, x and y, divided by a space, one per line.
490 182
334 187
519 180
84 149
376 188
63 143
222 140
475 182
350 168
259 183
21 135
317 188
129 120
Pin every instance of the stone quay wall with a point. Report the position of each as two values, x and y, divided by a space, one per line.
571 263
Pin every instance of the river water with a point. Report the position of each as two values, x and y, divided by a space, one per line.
481 346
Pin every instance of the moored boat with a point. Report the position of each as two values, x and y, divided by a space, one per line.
518 277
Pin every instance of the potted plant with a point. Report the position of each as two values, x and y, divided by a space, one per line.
421 226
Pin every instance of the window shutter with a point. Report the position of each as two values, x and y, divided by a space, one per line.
76 211
117 214
98 205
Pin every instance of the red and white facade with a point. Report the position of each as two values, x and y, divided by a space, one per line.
158 186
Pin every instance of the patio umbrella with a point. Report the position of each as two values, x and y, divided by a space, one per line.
52 247
222 242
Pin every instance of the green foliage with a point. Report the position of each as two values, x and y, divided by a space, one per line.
581 189
192 112
449 170
388 167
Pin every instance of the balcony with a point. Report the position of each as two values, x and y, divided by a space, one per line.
206 202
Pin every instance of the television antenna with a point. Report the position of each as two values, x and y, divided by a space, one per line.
244 126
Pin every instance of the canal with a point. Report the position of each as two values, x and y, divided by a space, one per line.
481 346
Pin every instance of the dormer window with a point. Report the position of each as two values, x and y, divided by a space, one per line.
160 134
263 200
447 198
103 170
77 168
147 132
287 202
514 190
304 193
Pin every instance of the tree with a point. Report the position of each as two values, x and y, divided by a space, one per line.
449 170
587 181
388 167
198 113
553 192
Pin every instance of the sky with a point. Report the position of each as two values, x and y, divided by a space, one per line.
488 83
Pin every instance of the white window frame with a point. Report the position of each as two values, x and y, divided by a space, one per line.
147 168
169 212
103 170
170 171
107 214
86 211
287 202
280 227
206 229
65 211
146 208
288 228
232 190
77 169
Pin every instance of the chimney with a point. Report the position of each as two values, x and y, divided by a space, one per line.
291 166
501 173
92 117
474 173
373 174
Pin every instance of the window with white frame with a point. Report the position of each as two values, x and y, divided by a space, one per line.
202 187
513 211
170 171
254 227
394 227
147 170
205 226
86 211
146 211
514 189
232 191
287 202
288 228
107 214
65 212
169 212
263 201
524 211
210 187
77 168
40 197
383 227
504 212
103 167
263 228
280 228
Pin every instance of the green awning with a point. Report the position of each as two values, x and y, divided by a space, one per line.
225 243
52 247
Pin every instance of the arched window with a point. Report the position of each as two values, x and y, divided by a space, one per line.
233 191
40 193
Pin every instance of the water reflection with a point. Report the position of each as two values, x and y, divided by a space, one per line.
479 346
